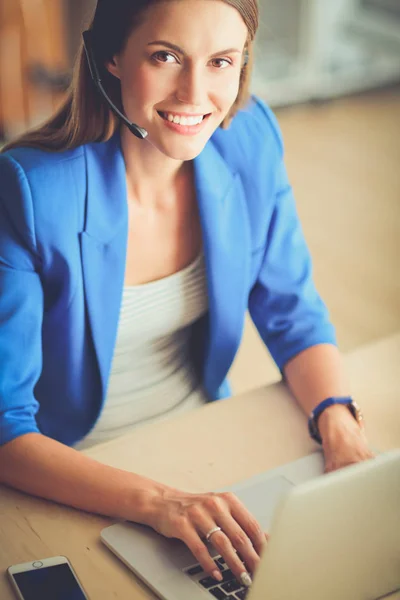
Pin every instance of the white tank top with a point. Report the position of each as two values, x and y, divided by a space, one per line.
152 377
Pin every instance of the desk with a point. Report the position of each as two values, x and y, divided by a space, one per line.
229 440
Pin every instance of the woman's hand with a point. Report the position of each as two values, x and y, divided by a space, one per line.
189 517
343 440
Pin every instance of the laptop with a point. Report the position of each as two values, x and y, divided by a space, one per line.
333 537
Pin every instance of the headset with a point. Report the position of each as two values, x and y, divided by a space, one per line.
139 132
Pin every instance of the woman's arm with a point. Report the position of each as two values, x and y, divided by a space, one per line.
38 465
43 467
289 313
314 375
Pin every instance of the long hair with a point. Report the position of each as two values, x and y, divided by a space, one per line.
84 117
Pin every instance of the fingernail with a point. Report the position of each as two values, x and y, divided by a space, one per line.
217 575
246 579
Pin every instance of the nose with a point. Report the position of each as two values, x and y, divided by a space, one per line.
192 86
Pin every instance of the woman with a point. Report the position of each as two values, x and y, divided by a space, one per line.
173 237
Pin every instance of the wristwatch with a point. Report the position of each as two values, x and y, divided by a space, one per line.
318 410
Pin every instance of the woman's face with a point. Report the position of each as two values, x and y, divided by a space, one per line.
180 72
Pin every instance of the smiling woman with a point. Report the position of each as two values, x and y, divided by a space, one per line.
123 25
188 71
127 265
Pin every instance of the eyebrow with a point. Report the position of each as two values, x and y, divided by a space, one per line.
180 51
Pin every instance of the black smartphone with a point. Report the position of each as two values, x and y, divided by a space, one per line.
46 579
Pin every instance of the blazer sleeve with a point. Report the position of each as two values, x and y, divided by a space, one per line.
284 304
21 305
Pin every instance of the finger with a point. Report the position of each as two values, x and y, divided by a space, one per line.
221 542
200 551
246 521
223 545
240 541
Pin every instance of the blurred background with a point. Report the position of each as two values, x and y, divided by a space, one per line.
331 71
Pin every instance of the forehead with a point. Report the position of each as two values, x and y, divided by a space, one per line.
194 25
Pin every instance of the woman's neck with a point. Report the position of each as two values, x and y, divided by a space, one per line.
150 174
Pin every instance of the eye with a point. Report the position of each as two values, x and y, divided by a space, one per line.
221 63
162 56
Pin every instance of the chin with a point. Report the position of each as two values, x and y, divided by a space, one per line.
185 156
183 151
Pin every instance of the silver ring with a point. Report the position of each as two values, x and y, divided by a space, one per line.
211 532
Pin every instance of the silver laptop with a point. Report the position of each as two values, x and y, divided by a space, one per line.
335 537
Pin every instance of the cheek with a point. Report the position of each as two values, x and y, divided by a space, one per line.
226 92
146 87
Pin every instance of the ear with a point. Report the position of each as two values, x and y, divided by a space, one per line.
113 67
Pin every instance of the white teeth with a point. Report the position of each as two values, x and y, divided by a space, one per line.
188 121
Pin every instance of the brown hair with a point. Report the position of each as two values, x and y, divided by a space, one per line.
84 117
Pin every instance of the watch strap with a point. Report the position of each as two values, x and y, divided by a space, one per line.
319 409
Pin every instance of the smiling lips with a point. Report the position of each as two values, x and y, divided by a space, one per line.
183 120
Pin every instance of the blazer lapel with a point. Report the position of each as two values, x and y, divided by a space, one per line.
226 237
103 246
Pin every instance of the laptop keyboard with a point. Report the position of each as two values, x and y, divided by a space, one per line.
228 589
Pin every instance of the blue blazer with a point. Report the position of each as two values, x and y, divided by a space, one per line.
63 239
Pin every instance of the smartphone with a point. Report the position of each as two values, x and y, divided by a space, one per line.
46 579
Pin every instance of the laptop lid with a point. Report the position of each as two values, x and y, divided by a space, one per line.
336 537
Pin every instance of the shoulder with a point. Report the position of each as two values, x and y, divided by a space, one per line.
253 134
31 175
30 159
26 162
30 168
36 188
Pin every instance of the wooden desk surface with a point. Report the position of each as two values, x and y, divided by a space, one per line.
228 441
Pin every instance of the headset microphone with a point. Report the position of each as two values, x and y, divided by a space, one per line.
139 132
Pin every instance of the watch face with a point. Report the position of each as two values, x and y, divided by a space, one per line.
313 431
357 413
